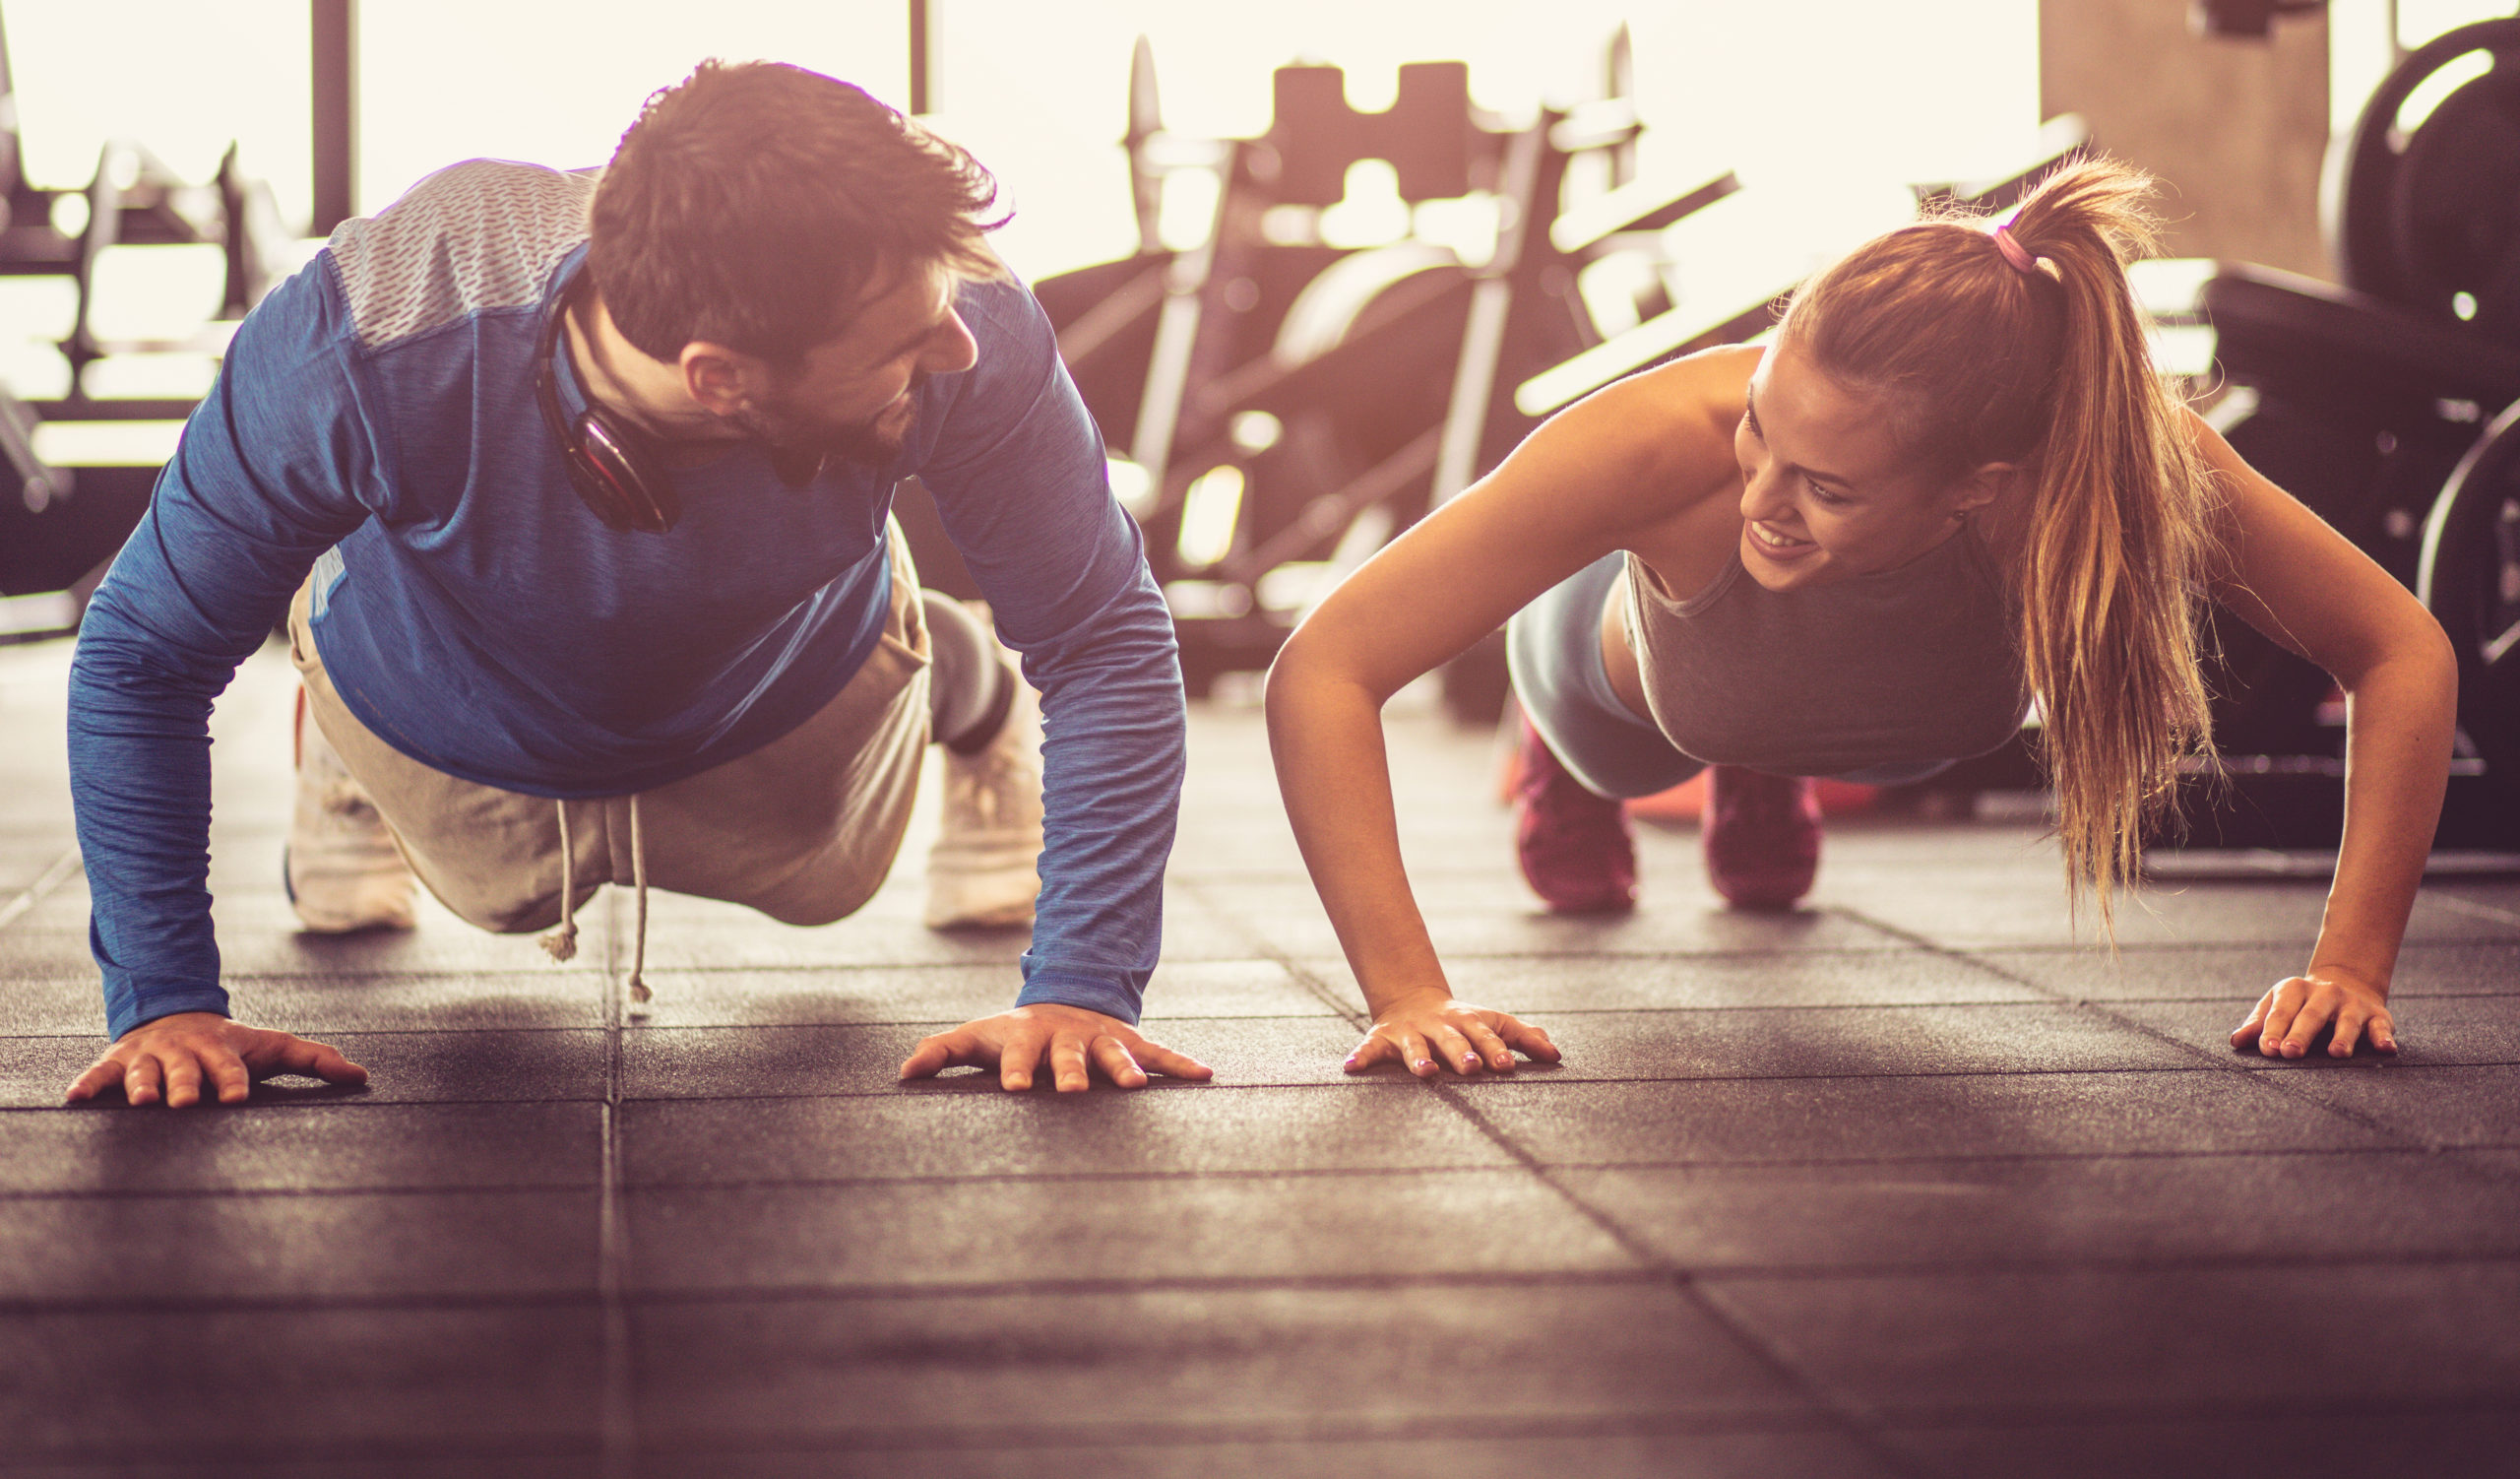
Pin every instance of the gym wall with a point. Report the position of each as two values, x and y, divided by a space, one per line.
2236 129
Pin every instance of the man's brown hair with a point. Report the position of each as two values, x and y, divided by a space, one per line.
754 205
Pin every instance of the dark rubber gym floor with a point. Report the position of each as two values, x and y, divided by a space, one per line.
1904 1184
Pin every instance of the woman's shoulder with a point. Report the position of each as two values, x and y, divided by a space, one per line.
1668 429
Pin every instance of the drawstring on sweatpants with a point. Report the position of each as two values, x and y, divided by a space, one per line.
639 875
562 942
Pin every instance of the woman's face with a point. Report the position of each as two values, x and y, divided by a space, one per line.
1826 494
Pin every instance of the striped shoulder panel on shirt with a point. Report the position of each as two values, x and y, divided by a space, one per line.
485 233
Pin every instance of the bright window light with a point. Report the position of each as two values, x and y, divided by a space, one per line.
1209 513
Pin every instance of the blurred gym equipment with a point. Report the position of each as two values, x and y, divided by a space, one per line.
59 525
2385 406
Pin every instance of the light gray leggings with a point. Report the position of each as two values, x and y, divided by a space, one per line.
969 690
1553 648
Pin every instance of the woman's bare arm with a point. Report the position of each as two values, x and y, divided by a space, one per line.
1599 476
2307 587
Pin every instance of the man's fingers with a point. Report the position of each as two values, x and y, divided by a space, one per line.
1154 1057
1113 1056
1067 1064
183 1080
101 1076
228 1080
1016 1060
140 1079
296 1054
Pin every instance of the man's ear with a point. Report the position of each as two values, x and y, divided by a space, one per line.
723 381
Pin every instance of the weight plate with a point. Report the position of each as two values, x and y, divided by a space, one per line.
2470 580
2363 194
2454 207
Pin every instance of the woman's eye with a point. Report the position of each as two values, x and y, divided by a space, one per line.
1822 493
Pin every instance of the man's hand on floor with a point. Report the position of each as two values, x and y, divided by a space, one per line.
1075 1042
174 1058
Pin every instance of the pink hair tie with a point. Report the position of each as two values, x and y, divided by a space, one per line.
2014 252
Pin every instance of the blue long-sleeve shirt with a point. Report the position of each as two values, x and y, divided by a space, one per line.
376 413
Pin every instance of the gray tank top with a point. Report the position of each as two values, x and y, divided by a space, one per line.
1899 667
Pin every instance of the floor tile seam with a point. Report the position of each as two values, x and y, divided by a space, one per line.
296 1193
1848 1417
633 1185
2475 910
616 1392
733 1444
2223 1062
2153 1412
45 882
311 1098
1970 1265
1321 991
2237 1262
2028 1157
637 1186
392 1451
1313 1430
1528 1074
589 1297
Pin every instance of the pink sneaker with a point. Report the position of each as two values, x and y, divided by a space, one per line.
1575 848
1761 835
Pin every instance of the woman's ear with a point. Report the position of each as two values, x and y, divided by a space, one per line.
1986 485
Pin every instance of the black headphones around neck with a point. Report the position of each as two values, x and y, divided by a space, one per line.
615 472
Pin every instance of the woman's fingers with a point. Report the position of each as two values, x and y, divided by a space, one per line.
2281 1009
1452 1049
2383 1030
1414 1056
1491 1047
1375 1049
2246 1034
1531 1040
2348 1030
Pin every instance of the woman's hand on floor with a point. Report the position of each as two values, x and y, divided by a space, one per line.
2288 1017
175 1058
1428 1031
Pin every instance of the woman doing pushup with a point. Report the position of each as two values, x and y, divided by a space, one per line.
1953 488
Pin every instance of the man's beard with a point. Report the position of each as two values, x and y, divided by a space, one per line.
800 440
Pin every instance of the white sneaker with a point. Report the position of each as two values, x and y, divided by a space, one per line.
341 868
984 870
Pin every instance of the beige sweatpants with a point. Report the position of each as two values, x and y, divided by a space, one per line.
804 829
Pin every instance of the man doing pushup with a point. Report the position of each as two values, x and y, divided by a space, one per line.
573 491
